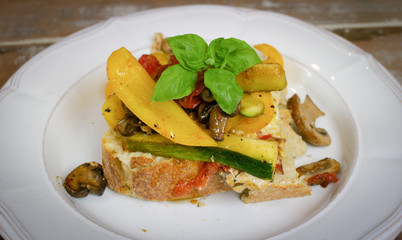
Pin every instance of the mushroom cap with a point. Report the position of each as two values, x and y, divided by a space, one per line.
304 116
86 178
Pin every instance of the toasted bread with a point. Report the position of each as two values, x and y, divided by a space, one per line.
142 175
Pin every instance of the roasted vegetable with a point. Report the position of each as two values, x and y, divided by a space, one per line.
133 85
251 106
263 150
86 178
321 172
304 116
108 89
161 147
161 56
207 96
217 122
262 77
113 111
128 126
253 124
272 54
203 112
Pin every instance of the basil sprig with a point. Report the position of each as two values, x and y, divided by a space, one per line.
222 59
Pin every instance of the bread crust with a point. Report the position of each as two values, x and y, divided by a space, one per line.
147 178
276 191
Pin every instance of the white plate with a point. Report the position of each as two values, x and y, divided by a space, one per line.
51 121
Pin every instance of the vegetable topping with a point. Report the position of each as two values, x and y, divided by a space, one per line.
133 85
321 172
233 151
221 60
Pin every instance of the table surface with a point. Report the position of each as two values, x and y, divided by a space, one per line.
28 27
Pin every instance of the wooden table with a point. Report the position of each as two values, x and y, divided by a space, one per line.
27 27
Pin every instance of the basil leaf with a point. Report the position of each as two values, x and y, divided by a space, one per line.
222 84
227 57
190 50
174 83
212 58
233 54
242 57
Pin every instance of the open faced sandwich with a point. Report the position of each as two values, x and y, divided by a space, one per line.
192 119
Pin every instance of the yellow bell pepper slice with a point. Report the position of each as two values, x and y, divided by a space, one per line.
253 124
274 56
133 85
162 57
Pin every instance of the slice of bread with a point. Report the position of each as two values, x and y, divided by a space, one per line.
142 175
145 176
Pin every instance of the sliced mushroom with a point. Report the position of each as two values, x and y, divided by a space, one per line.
321 172
128 126
304 116
146 129
236 111
206 95
217 122
86 178
129 113
203 112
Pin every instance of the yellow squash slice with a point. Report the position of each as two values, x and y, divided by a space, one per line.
262 77
108 89
263 150
133 85
113 111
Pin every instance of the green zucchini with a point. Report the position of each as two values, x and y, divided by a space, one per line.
251 106
160 147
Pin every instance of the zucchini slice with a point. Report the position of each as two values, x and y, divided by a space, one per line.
160 147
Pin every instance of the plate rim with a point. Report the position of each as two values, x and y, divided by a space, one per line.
11 85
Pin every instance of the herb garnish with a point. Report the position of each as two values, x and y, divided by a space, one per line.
222 59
